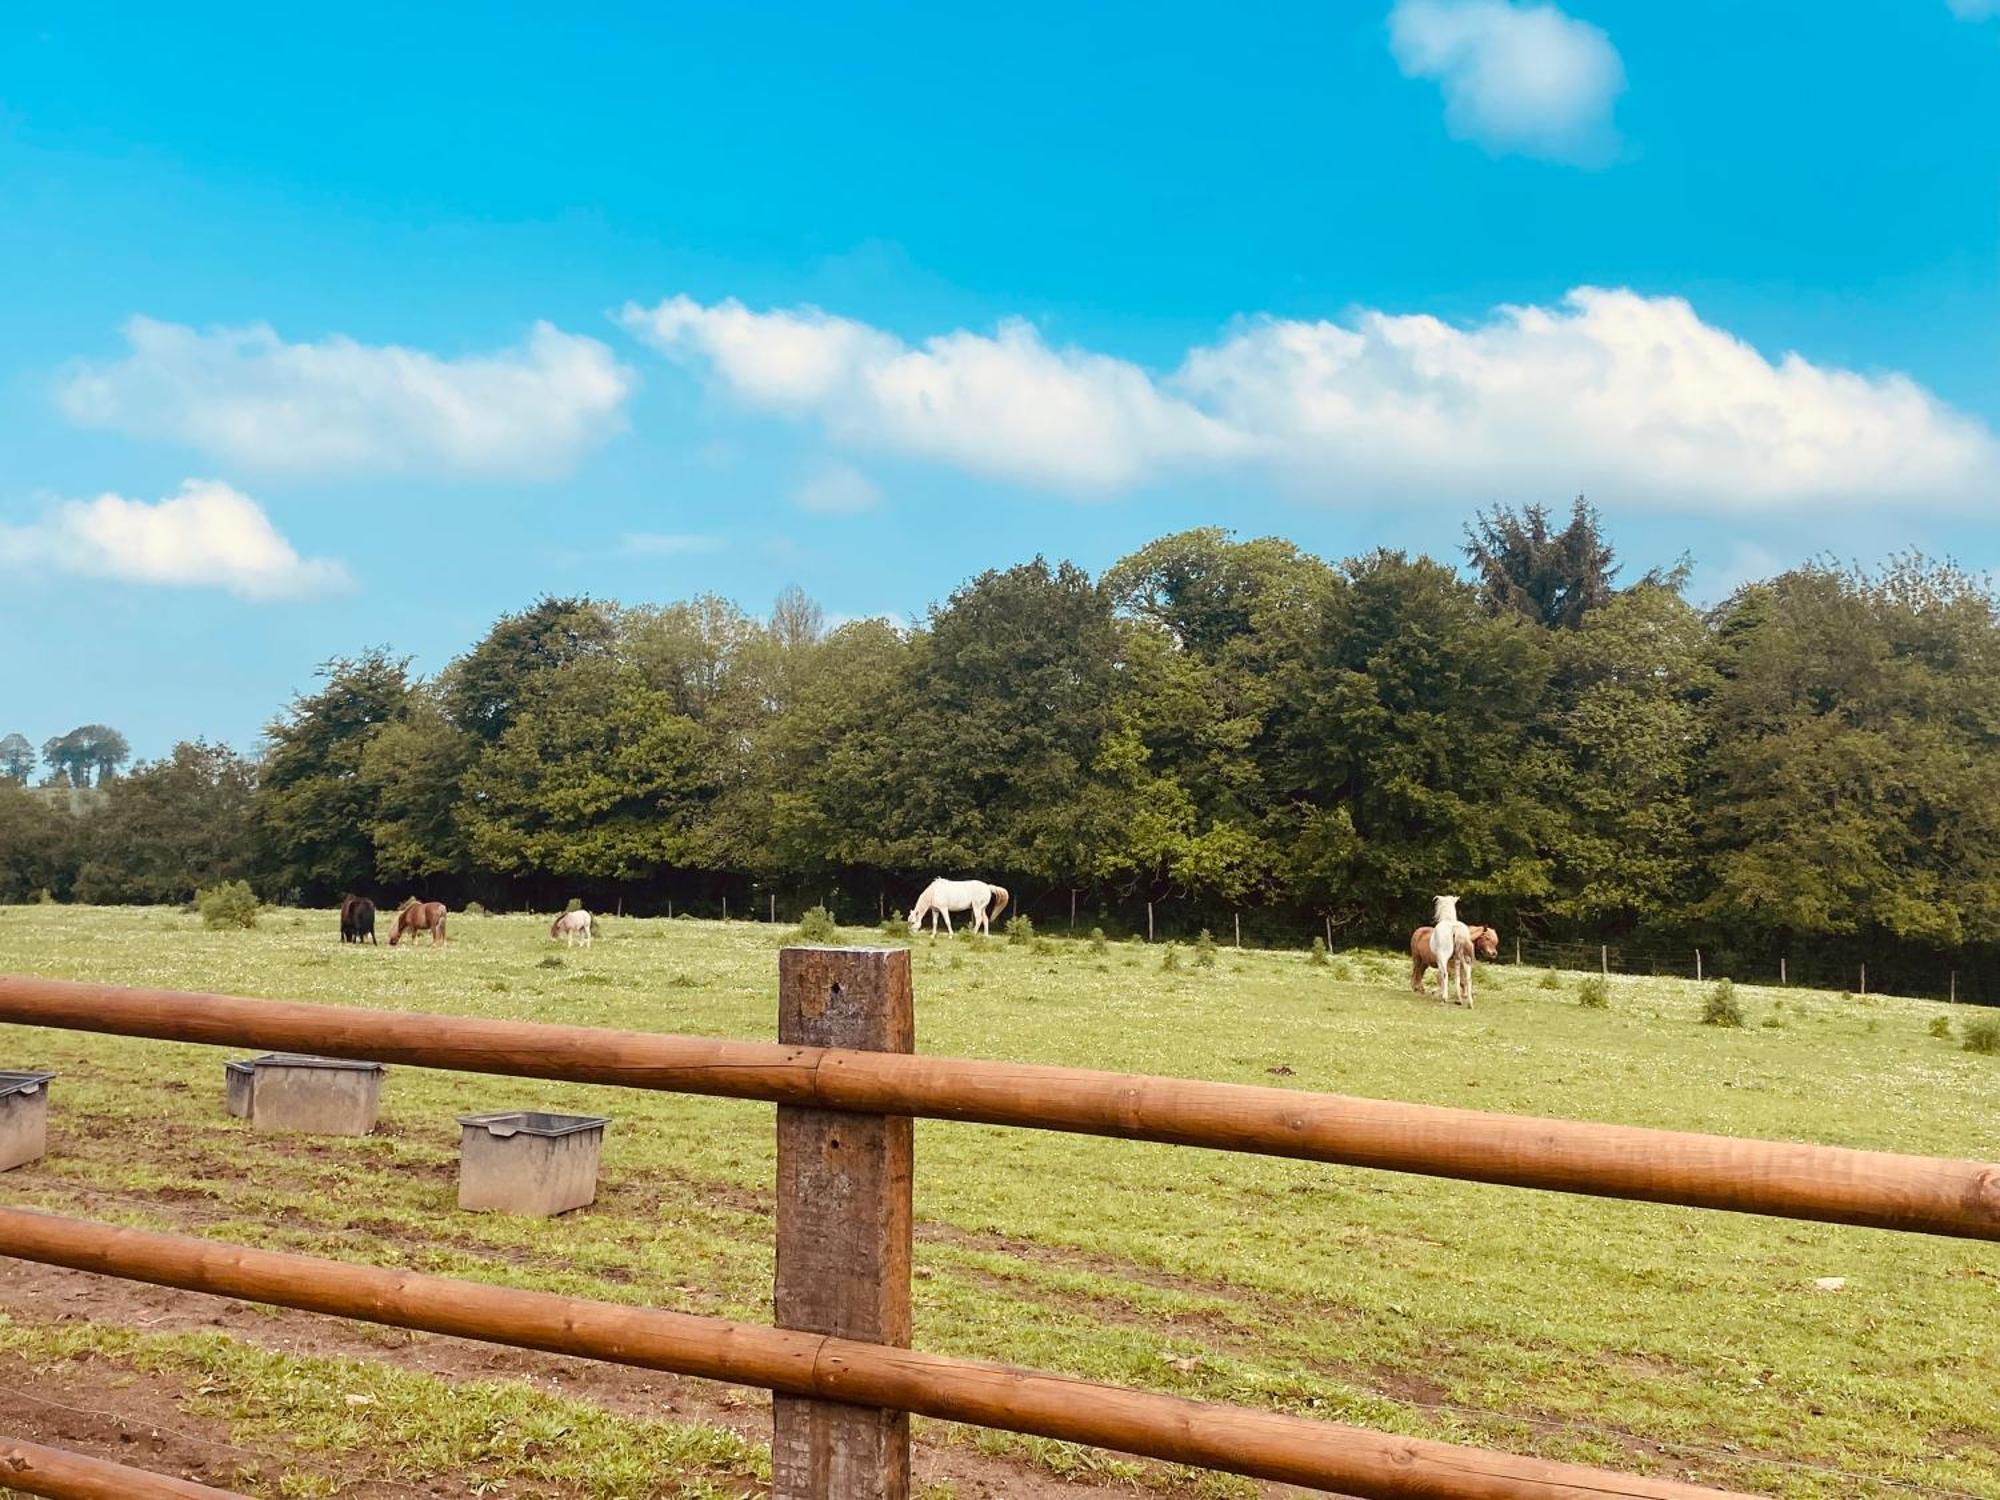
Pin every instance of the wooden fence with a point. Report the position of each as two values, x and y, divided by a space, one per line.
843 1378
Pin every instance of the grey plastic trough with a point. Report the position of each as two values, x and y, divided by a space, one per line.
24 1118
310 1095
526 1162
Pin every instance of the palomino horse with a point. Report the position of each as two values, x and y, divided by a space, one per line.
1483 942
571 927
943 897
357 919
420 916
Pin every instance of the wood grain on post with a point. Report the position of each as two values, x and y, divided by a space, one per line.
844 1217
31 1469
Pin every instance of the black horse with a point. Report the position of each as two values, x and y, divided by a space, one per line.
357 920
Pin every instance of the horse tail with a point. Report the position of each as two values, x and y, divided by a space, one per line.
999 902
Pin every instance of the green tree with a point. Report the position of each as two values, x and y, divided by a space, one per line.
485 688
38 845
17 759
412 770
170 828
1554 578
316 811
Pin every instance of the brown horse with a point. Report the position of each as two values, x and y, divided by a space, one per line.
420 916
357 920
1482 941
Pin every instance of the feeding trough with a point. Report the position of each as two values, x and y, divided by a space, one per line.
24 1118
526 1162
311 1095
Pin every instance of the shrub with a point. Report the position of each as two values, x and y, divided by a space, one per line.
575 904
1170 961
896 925
1773 1022
1020 929
1342 970
474 909
231 904
1550 980
1982 1035
1204 950
1097 942
1721 1009
1594 993
1319 956
816 926
1940 1027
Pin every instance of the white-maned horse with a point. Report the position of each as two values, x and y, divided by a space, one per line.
943 897
572 927
1448 935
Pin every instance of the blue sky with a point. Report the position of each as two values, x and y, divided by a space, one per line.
321 335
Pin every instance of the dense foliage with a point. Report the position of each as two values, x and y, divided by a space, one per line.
1212 725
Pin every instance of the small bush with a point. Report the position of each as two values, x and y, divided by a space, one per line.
1550 980
1204 950
895 925
1020 929
1319 957
1342 970
1773 1022
231 904
1097 941
575 904
816 926
553 961
1594 993
474 909
1721 1009
1940 1027
1982 1035
1170 961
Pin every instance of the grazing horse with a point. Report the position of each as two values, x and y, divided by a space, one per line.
1481 942
943 897
357 920
572 926
420 916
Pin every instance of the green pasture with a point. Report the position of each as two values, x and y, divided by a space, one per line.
1664 1340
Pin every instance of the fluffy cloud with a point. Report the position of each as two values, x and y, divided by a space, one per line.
1516 78
1005 405
340 407
1975 10
837 490
1631 398
206 536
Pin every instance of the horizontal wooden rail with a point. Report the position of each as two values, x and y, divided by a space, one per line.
1266 1445
1930 1195
34 1470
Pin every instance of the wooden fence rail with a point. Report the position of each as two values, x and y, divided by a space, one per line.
31 1469
1268 1445
1931 1195
861 996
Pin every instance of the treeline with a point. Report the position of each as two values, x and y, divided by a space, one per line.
1214 726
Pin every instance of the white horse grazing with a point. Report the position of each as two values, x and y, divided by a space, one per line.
1448 936
943 897
572 927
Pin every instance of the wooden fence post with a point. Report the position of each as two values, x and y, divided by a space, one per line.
844 1217
774 908
1864 979
1239 929
1954 986
1697 966
1782 980
1329 932
1604 960
725 908
1517 950
1149 921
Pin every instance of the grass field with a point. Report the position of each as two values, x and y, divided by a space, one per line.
1664 1340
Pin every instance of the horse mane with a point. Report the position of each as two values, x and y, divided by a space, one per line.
1444 909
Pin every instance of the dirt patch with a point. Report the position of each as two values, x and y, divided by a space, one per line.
108 1409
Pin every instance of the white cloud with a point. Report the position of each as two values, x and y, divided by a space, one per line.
206 536
340 407
1516 78
838 490
1629 398
667 543
1005 405
1975 10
